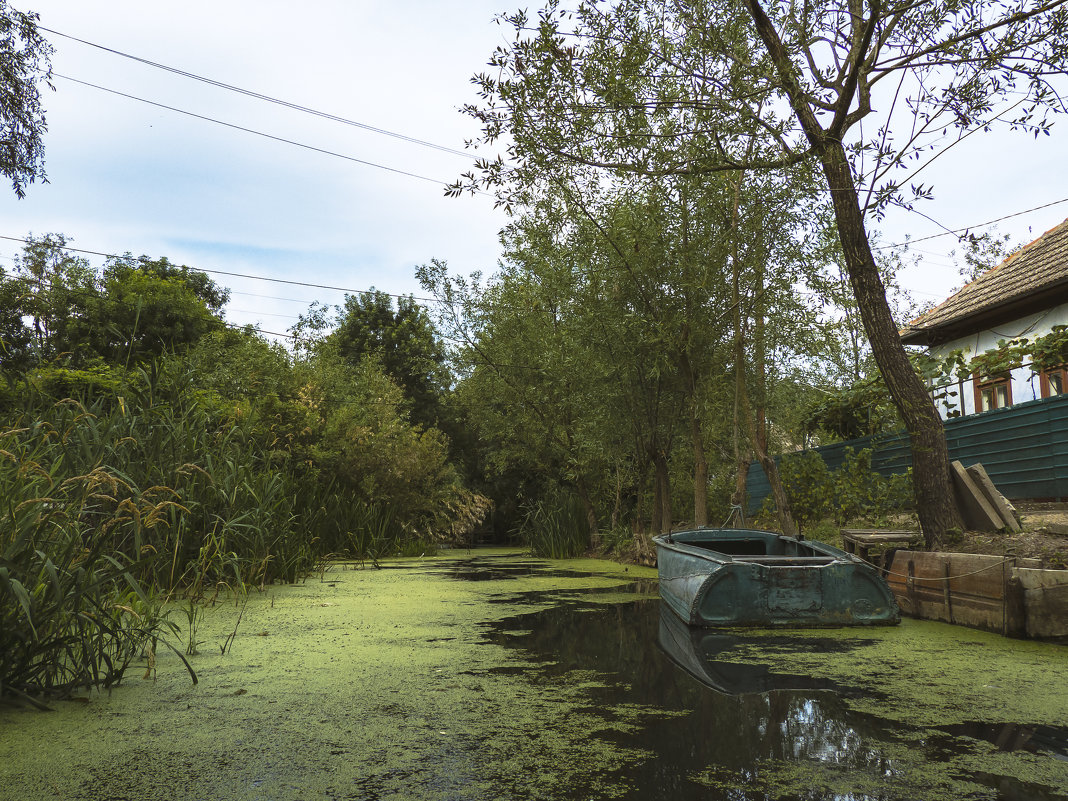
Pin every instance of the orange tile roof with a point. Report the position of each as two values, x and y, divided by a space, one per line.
1032 271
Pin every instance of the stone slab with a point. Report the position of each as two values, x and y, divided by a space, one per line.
1045 601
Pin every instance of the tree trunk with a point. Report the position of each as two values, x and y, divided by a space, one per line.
617 504
591 513
700 461
757 429
700 474
662 513
639 506
738 498
932 481
933 486
656 515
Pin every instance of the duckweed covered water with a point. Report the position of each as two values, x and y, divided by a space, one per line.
496 676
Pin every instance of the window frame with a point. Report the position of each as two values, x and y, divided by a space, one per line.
1044 384
992 383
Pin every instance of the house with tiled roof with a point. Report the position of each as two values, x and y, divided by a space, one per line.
1024 296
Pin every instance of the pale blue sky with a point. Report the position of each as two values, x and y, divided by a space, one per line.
126 176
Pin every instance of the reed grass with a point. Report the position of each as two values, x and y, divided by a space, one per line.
116 503
555 527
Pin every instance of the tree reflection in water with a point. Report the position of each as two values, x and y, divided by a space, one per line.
701 715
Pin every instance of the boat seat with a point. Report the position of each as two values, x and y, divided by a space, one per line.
787 560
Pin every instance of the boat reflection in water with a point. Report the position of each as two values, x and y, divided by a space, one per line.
695 650
744 577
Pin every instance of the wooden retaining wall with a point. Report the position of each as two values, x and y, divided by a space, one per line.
1008 595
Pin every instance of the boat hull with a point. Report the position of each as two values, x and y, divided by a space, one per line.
744 577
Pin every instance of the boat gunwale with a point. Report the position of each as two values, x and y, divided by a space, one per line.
705 564
828 554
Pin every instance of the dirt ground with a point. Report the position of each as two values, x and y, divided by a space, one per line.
1044 536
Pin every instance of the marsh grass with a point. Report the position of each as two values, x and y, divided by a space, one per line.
73 613
555 527
135 505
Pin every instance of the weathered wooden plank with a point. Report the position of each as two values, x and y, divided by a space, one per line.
967 589
1046 601
979 515
1004 509
859 540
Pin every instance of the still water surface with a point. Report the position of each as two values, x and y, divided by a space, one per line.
495 677
743 731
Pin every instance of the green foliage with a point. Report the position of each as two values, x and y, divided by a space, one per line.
864 407
56 308
73 611
809 486
153 482
861 409
555 527
399 336
24 65
852 492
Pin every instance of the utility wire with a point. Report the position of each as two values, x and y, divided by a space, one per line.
439 301
249 93
253 131
213 320
970 227
347 290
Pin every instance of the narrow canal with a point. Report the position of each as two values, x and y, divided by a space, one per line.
485 675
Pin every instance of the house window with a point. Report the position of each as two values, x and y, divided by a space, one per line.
1054 381
993 392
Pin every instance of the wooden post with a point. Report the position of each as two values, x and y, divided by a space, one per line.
945 590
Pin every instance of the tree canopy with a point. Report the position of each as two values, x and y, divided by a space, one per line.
25 66
866 92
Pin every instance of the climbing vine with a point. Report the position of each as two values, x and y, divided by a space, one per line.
864 408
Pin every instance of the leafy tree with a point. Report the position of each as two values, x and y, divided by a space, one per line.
135 310
24 65
122 268
400 336
140 314
982 252
657 88
53 290
16 341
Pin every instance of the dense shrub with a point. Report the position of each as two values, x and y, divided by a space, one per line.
853 491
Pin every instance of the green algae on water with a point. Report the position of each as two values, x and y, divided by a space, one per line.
534 680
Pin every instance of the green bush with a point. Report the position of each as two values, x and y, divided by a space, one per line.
852 492
809 486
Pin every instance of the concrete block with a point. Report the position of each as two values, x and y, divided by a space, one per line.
1046 601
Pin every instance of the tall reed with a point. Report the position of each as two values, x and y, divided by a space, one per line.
555 527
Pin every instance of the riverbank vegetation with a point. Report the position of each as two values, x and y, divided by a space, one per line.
686 287
150 452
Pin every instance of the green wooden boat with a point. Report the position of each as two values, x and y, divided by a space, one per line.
744 577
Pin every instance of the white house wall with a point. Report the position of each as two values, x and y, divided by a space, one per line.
1025 385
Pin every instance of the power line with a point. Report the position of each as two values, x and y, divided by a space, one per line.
347 290
213 320
970 227
266 98
253 131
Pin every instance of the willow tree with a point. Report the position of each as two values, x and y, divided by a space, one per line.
24 66
869 91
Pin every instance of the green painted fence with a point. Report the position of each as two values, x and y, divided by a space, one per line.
1024 449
